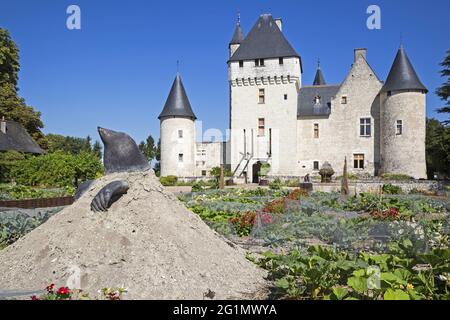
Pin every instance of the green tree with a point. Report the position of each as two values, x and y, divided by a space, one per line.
157 166
437 148
97 149
148 148
12 107
72 145
444 91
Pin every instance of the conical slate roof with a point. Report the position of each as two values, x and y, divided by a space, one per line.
265 40
319 79
177 104
238 35
402 75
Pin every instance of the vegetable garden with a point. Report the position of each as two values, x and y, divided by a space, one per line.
324 246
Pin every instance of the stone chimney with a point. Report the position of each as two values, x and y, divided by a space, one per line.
279 23
3 125
360 52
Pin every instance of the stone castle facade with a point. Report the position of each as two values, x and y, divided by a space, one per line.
379 127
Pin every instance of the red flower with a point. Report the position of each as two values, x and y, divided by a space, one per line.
34 298
63 291
50 287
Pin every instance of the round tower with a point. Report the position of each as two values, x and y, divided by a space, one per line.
177 133
403 120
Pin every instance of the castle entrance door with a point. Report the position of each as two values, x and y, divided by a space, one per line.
256 168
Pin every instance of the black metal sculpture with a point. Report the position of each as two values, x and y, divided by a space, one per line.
121 154
108 195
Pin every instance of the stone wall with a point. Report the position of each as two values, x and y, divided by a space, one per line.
339 134
172 145
404 153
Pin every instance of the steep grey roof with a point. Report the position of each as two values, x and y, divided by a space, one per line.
177 104
402 75
307 106
238 35
265 40
17 138
319 79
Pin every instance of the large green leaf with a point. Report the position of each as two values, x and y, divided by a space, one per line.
359 284
391 294
340 293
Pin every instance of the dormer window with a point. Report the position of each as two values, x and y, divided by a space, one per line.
317 99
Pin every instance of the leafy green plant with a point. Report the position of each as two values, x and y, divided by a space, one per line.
14 226
168 181
325 273
275 184
391 189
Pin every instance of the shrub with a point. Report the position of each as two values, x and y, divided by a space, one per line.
57 169
297 194
396 176
215 172
275 184
389 214
244 223
8 161
276 206
168 181
391 189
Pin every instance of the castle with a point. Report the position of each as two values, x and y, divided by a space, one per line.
379 127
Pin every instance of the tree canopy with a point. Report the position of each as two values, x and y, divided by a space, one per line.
148 148
437 148
444 91
12 107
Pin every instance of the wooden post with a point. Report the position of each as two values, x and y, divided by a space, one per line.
221 179
344 183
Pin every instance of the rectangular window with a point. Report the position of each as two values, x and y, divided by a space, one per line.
399 129
281 61
241 64
261 127
180 157
316 165
259 62
365 129
344 100
204 173
285 97
180 133
358 161
316 130
262 96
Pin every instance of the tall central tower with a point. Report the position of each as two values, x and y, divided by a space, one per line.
264 73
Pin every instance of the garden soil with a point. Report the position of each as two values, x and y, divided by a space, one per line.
147 242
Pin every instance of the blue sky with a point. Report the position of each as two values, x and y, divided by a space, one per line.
117 70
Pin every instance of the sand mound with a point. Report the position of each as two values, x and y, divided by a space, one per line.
147 242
